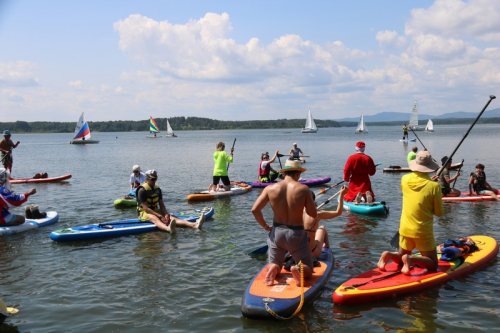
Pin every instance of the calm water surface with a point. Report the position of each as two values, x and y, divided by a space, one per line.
193 281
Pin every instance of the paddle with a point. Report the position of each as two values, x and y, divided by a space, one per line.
281 155
324 190
395 239
425 148
461 165
232 150
263 249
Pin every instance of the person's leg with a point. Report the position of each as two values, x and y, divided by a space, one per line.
161 225
226 182
187 224
427 260
369 197
320 238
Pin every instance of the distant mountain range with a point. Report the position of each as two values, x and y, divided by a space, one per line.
405 116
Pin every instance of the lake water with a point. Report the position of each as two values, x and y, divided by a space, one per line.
193 281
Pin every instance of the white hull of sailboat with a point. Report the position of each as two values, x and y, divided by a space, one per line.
83 142
309 130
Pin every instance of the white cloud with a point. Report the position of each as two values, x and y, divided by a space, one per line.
390 38
19 73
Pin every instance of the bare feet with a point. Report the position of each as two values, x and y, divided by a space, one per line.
358 197
271 274
199 221
172 226
369 197
295 270
382 261
406 264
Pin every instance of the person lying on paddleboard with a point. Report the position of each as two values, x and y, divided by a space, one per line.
8 199
288 199
150 207
357 171
478 184
221 162
6 146
266 172
422 199
445 180
296 153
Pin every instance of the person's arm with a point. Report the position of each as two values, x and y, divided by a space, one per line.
257 207
274 157
310 205
16 144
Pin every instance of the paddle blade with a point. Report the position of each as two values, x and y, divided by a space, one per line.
259 252
395 240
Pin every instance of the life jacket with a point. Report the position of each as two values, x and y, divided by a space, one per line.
455 248
153 196
264 172
480 184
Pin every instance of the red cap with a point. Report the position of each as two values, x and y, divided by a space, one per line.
360 144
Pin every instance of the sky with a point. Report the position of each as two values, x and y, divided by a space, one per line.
245 60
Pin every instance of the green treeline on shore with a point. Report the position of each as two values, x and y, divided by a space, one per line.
196 123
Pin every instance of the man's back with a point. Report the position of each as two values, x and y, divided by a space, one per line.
288 199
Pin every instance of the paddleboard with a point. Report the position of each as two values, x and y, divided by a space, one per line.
308 182
236 189
125 202
398 168
283 298
122 227
407 140
375 208
466 197
376 284
40 180
52 217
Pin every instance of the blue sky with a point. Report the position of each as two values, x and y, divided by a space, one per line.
243 60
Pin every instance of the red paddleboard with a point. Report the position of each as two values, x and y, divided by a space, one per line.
40 180
468 197
376 284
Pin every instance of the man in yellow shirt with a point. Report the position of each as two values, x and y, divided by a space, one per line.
422 200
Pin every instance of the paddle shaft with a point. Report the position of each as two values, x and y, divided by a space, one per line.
232 149
418 138
461 165
324 190
492 97
328 200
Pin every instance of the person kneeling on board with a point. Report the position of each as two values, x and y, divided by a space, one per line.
422 199
288 199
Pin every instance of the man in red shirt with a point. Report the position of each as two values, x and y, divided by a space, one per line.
357 171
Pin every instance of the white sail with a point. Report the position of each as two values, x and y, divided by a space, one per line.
430 126
413 124
361 126
170 131
310 124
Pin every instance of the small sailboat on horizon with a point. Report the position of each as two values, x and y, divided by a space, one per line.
310 124
361 126
170 131
430 126
413 124
153 128
82 132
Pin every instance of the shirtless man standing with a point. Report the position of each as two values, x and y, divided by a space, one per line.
288 200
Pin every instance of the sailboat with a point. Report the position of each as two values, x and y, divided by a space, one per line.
82 132
170 131
361 126
430 126
310 124
413 124
153 128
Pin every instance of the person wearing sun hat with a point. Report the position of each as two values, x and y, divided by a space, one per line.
422 199
9 198
357 171
150 207
137 177
6 146
288 198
